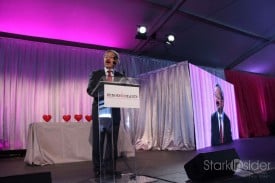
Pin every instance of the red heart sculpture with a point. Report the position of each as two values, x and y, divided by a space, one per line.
78 117
88 117
66 117
47 117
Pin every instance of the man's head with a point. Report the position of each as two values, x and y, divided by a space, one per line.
111 59
219 100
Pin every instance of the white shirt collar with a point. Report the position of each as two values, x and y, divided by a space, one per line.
220 115
108 69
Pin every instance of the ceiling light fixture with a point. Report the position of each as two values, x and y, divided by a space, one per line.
170 39
141 32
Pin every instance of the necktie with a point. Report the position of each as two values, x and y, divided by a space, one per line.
109 75
221 129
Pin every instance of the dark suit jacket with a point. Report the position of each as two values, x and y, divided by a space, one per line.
215 133
95 78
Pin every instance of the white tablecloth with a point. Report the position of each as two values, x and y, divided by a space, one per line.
60 142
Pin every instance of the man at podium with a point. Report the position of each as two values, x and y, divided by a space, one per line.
108 133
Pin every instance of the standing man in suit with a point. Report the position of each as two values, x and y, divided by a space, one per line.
111 59
220 123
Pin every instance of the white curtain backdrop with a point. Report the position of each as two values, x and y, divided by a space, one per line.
41 78
203 84
165 119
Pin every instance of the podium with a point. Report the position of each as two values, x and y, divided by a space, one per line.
112 96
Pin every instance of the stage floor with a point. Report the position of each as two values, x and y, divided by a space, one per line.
160 166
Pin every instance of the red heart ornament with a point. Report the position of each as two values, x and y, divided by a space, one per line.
88 118
66 117
47 117
78 117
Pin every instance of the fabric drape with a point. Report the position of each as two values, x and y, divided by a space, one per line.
41 78
165 122
255 102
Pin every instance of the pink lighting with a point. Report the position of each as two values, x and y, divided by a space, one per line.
80 21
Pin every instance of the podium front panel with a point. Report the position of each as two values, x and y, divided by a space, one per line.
123 94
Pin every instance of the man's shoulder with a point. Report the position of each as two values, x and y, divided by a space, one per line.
225 116
99 71
117 73
213 114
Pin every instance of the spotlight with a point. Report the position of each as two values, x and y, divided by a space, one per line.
170 39
142 29
141 32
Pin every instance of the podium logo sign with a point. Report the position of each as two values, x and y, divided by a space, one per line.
121 96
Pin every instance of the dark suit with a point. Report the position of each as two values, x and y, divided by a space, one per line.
98 146
215 132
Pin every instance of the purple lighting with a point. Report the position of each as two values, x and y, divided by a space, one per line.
4 144
82 21
260 62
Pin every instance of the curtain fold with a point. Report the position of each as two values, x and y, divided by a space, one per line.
41 78
255 102
165 120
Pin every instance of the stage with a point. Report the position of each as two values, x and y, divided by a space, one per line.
161 166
